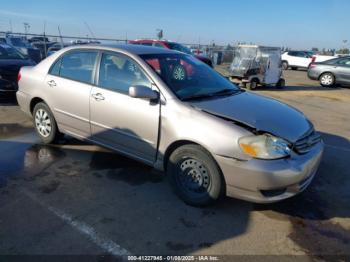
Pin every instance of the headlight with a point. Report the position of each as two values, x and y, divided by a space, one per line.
264 146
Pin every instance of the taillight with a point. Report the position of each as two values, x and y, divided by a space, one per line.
19 76
313 59
312 66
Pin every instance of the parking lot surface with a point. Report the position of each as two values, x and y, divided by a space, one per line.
77 198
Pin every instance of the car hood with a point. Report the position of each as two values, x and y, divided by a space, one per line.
258 112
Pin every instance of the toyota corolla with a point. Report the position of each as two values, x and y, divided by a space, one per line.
175 113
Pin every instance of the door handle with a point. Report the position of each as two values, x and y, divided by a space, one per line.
51 83
98 96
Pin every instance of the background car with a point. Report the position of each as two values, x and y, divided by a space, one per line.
171 45
23 46
38 39
297 59
331 72
10 63
56 47
302 59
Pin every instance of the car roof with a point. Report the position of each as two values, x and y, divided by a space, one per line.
134 49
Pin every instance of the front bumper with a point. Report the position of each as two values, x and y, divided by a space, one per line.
267 181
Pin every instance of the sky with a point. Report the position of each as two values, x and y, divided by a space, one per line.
289 23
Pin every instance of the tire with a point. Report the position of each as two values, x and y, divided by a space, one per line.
327 80
252 85
285 65
281 83
195 176
294 68
45 123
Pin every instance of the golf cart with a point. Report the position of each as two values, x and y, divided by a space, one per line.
254 65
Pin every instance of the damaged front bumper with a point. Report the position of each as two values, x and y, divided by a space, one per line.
267 181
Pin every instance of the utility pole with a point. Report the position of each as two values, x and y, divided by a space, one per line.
59 32
26 28
45 47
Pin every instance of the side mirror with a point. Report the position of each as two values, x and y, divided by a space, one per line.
143 92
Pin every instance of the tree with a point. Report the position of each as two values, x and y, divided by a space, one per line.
343 51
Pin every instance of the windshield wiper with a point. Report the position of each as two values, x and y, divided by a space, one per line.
195 97
227 91
224 92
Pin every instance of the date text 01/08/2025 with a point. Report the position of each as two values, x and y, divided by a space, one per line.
173 258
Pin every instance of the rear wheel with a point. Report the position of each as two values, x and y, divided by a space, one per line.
281 83
327 80
45 123
194 175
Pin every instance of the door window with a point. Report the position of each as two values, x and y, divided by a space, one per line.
76 65
345 61
118 73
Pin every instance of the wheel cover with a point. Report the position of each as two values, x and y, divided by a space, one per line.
327 79
43 123
193 176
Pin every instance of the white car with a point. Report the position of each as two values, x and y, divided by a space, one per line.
302 59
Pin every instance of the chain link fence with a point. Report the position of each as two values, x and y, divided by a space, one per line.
39 46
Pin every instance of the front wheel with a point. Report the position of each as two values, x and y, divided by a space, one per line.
45 123
327 80
194 175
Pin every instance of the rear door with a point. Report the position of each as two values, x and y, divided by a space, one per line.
129 125
69 84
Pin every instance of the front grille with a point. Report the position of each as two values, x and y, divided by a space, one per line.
304 144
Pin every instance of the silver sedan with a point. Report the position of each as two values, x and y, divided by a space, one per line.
173 112
331 72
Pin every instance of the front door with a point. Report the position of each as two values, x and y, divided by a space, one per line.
129 125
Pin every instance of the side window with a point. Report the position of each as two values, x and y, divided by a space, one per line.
78 65
118 73
55 69
292 53
158 45
345 62
147 44
300 54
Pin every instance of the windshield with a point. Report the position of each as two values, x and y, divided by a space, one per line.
16 41
7 52
181 48
188 77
